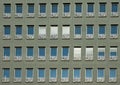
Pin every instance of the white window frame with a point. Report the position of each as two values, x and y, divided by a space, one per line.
64 34
86 53
115 50
42 35
76 79
29 58
41 79
90 36
41 57
89 79
53 57
101 79
29 79
52 79
68 53
79 57
54 36
112 79
103 50
17 79
67 79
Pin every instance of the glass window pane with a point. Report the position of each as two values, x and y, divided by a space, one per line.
18 29
65 30
112 72
88 73
101 29
18 51
30 8
29 72
42 30
41 72
78 7
102 7
54 30
76 73
6 51
53 51
30 29
54 8
114 29
101 51
89 51
113 51
65 51
66 8
65 73
18 73
41 51
7 29
77 51
7 8
6 72
42 8
114 7
100 73
89 29
77 29
18 8
53 72
29 51
90 7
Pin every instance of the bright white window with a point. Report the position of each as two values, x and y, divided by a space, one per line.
65 31
101 53
89 53
113 53
54 32
77 53
42 31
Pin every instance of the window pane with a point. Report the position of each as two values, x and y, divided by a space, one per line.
54 8
113 51
66 8
18 51
101 29
53 72
7 8
41 72
41 51
89 29
53 51
77 52
65 73
54 30
112 72
100 73
65 51
65 30
6 51
77 29
114 29
88 73
18 30
42 8
29 51
7 29
102 7
30 29
6 72
101 51
29 72
90 7
78 7
30 8
114 7
89 51
18 8
76 73
42 30
17 72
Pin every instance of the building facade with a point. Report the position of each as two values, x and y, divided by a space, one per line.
60 42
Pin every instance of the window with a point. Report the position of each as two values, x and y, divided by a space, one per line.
54 7
42 31
19 30
113 53
66 7
114 7
100 73
29 73
77 53
77 31
88 75
65 75
53 54
6 53
90 31
90 7
89 53
7 30
31 8
78 8
29 53
54 32
112 75
65 32
114 31
65 53
30 29
18 73
7 8
101 31
18 51
102 7
18 8
76 74
42 8
101 53
41 52
41 73
6 73
53 74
